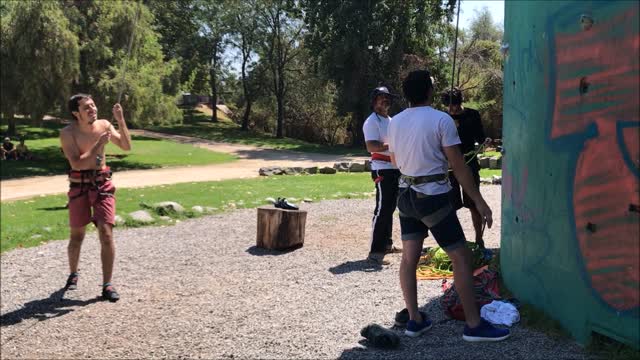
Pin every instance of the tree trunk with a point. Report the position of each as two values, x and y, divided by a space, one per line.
12 125
279 125
214 89
245 118
245 87
280 229
357 121
281 95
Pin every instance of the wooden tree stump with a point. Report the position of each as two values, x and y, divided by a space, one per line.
279 228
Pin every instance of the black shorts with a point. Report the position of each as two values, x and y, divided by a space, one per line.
420 213
459 198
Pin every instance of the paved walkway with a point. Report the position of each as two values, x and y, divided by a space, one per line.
251 158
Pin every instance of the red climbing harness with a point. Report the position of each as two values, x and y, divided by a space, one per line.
381 157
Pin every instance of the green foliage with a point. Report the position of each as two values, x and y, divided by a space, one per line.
281 27
304 68
197 81
196 125
479 71
483 27
312 115
438 258
148 84
210 16
178 30
362 44
52 48
243 19
38 59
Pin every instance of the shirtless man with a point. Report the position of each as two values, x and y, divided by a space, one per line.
91 193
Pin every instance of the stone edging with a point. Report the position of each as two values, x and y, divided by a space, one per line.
354 167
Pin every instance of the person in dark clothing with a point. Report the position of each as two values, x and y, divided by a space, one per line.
470 131
8 150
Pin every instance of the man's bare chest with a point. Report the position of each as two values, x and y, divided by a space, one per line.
86 140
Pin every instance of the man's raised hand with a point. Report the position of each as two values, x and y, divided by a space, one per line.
117 113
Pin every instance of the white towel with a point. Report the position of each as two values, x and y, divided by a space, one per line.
500 313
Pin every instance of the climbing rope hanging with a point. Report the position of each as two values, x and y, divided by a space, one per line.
453 77
126 59
455 53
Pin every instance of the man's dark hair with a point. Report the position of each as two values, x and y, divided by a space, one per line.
453 97
417 86
74 103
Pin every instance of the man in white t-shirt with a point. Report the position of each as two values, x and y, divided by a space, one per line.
422 141
384 175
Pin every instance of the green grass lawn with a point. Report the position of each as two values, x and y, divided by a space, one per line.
146 153
491 154
488 173
27 223
198 124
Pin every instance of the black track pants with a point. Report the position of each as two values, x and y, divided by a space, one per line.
386 182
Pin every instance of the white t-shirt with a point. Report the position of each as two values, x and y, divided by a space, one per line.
416 138
375 128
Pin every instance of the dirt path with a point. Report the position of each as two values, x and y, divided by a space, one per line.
251 158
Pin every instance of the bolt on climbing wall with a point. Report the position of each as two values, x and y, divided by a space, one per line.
571 168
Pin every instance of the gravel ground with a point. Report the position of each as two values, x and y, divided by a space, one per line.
201 289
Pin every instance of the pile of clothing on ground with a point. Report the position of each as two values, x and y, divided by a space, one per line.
486 287
493 307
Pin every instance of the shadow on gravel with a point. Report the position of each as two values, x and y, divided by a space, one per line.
258 251
53 306
53 208
444 341
358 265
366 352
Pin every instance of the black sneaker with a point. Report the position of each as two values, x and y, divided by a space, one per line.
72 282
284 204
278 203
109 293
377 259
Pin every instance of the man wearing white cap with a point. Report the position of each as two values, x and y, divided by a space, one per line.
384 175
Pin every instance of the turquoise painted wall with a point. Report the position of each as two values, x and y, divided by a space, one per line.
571 193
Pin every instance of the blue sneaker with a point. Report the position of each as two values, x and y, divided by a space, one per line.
414 329
402 317
484 332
